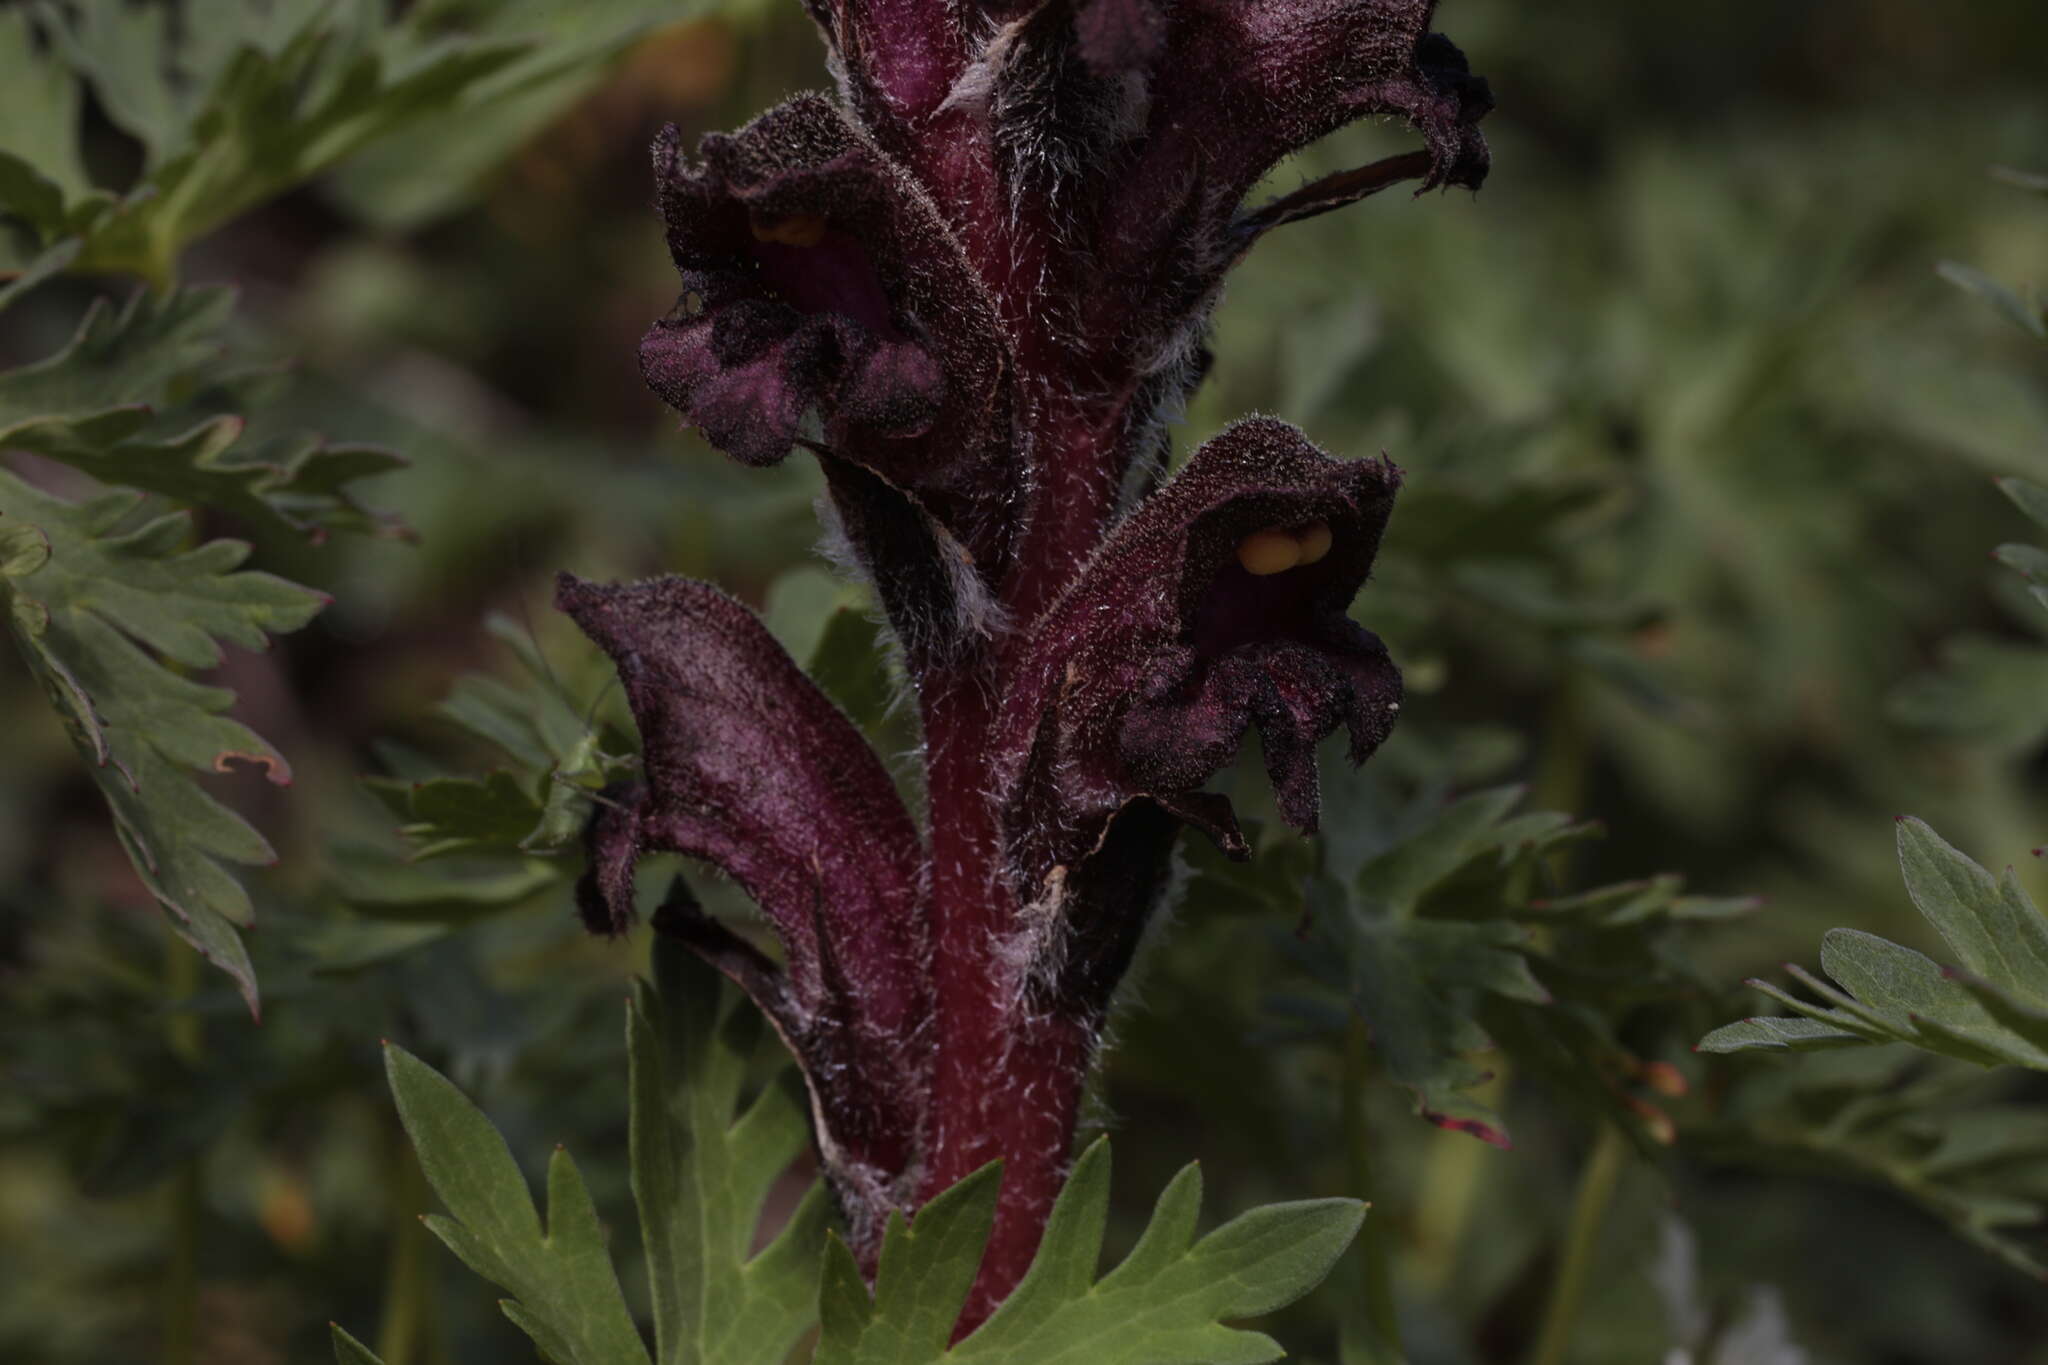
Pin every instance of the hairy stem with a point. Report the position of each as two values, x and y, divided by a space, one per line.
1005 1085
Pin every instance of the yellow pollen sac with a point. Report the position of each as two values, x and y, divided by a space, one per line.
801 229
1268 552
1315 540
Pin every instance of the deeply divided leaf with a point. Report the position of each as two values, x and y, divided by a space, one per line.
230 111
706 1155
1170 1302
120 401
1448 942
565 1294
103 620
554 764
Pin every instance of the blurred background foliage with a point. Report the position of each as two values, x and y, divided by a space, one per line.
1694 545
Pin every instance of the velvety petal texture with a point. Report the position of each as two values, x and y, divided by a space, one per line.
1218 604
749 767
817 276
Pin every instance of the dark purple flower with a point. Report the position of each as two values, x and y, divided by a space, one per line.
1218 604
985 277
818 276
750 768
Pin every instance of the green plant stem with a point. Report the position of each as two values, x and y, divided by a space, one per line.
187 1196
1375 1257
406 1334
1582 1241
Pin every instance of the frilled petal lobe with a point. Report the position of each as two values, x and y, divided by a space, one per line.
817 275
1313 66
1218 604
1135 129
748 766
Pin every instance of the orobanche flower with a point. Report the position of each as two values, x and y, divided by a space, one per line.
973 287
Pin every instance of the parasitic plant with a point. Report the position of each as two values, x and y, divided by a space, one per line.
974 287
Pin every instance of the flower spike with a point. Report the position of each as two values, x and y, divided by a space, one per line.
975 287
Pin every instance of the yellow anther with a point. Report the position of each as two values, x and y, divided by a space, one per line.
1268 552
1315 540
800 229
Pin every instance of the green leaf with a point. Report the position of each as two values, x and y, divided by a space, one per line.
1992 927
1522 588
1440 949
2029 560
2030 498
2014 309
1412 982
38 268
101 619
538 805
1890 1117
450 815
1778 1035
1166 1304
1918 1001
94 405
565 1294
349 1351
1987 691
118 364
1464 831
39 105
571 44
1993 1011
231 109
921 1282
703 1165
453 891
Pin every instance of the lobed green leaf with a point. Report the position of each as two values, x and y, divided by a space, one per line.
705 1157
565 1293
1168 1302
102 616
